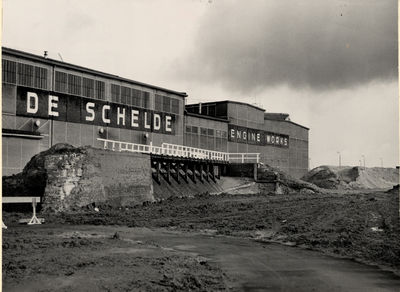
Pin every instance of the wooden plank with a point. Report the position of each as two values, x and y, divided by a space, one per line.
19 199
177 172
201 172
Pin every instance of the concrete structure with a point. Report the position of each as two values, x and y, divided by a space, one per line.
45 102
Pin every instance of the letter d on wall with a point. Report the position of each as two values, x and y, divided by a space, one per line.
157 122
29 108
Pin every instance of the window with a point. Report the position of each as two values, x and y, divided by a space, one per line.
61 81
74 84
203 131
145 99
166 104
136 98
41 77
88 87
211 110
100 89
125 95
195 130
158 103
115 95
175 106
188 129
211 132
25 74
9 70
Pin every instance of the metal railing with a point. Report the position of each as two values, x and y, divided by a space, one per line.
181 151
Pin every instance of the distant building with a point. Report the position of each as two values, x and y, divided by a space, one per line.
45 102
237 127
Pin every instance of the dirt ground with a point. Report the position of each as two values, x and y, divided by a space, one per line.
360 225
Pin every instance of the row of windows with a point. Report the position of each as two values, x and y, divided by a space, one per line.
206 132
77 85
131 96
210 143
166 104
33 76
204 109
24 74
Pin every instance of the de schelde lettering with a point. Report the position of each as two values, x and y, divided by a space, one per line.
75 109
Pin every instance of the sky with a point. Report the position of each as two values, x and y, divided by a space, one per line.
331 65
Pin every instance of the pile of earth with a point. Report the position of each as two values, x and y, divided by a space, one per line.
352 178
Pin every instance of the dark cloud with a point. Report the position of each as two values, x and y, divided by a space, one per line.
252 45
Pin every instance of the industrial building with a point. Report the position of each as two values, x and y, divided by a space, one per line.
46 101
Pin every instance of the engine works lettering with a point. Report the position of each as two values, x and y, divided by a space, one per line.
75 109
256 137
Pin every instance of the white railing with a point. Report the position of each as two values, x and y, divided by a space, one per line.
244 157
181 151
131 147
185 151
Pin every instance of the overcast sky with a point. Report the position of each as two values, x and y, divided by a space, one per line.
332 65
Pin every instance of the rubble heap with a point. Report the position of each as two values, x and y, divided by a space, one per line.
67 178
285 182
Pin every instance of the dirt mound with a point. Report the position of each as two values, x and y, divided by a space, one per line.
347 178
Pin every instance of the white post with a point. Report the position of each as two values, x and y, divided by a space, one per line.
34 219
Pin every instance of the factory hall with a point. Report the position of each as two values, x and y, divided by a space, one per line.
46 102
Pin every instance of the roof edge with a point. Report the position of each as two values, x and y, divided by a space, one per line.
85 69
229 101
206 117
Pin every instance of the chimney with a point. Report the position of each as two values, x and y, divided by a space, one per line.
45 54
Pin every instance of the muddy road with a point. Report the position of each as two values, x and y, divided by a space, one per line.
347 241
